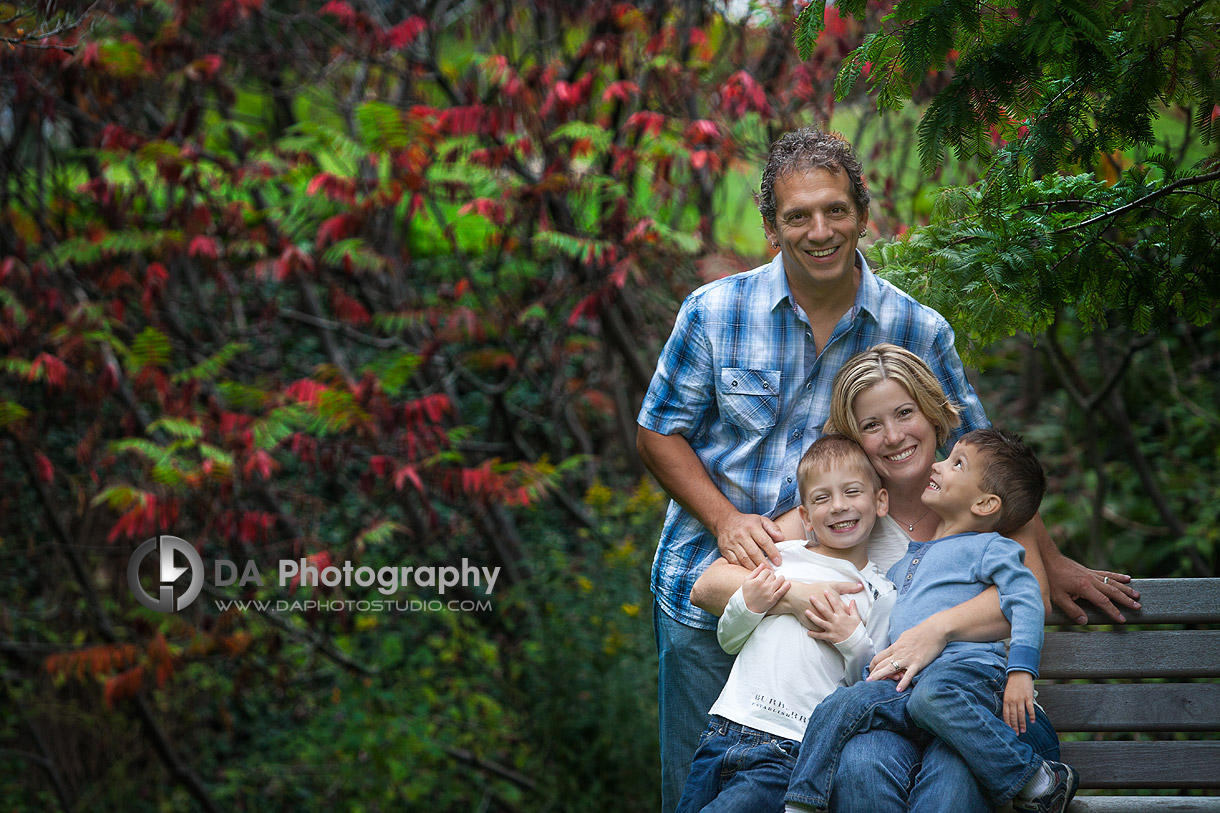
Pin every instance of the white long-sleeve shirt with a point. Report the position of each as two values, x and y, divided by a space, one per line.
780 673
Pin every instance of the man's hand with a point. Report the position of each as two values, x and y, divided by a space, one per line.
763 588
833 621
1071 580
748 540
906 657
1019 700
796 601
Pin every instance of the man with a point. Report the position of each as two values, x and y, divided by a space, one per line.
742 388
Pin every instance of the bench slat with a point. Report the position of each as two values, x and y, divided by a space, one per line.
1132 706
1134 654
1169 764
1165 601
1145 804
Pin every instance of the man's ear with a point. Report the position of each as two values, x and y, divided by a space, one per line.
883 502
772 234
986 506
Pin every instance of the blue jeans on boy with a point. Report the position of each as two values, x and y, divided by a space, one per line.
884 772
954 701
693 671
738 768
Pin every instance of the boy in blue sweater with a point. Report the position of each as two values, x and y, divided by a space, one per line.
990 484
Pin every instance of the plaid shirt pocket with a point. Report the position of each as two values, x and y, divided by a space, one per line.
749 399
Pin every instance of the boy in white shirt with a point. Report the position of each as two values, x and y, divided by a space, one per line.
746 755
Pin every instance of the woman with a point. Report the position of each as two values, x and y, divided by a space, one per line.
889 401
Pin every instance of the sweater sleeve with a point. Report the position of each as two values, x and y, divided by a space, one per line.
1003 565
737 624
868 639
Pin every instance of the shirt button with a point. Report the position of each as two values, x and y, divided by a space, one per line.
789 479
908 577
914 561
796 435
809 385
734 383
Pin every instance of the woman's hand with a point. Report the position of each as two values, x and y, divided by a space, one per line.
906 657
1071 580
832 621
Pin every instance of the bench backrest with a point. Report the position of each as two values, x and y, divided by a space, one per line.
1161 688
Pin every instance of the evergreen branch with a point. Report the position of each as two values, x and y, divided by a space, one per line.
1135 204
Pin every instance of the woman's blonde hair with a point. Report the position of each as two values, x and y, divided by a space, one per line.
881 362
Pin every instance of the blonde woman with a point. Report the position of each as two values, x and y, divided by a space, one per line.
889 401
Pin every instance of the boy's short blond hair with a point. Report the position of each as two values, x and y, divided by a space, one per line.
831 449
877 364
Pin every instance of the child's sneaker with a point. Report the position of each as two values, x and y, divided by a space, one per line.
1056 799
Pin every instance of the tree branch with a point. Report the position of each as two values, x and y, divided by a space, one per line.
1135 204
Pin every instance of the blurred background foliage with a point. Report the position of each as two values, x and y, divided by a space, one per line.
384 283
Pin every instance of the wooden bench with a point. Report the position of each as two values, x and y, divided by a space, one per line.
1134 721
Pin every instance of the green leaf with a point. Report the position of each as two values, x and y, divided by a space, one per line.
151 348
11 412
809 24
210 367
178 427
381 127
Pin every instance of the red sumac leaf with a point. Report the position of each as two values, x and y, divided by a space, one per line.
408 474
621 90
344 12
493 210
336 228
703 131
348 308
204 68
49 367
321 561
406 32
123 685
335 188
646 120
261 462
203 246
307 390
46 472
381 464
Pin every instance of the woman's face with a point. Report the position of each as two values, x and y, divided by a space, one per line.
898 438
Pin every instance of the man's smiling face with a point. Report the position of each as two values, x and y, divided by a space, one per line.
817 227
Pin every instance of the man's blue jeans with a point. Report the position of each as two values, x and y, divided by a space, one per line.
738 768
957 702
693 670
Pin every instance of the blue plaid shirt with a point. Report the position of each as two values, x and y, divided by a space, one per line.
739 378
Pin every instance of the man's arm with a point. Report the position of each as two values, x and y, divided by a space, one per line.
1069 580
1065 579
746 539
716 585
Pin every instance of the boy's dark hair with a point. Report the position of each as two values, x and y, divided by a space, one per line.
1011 471
833 448
805 149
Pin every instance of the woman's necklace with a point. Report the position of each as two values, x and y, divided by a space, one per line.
911 525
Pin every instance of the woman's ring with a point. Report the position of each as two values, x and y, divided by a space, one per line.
1106 580
897 666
